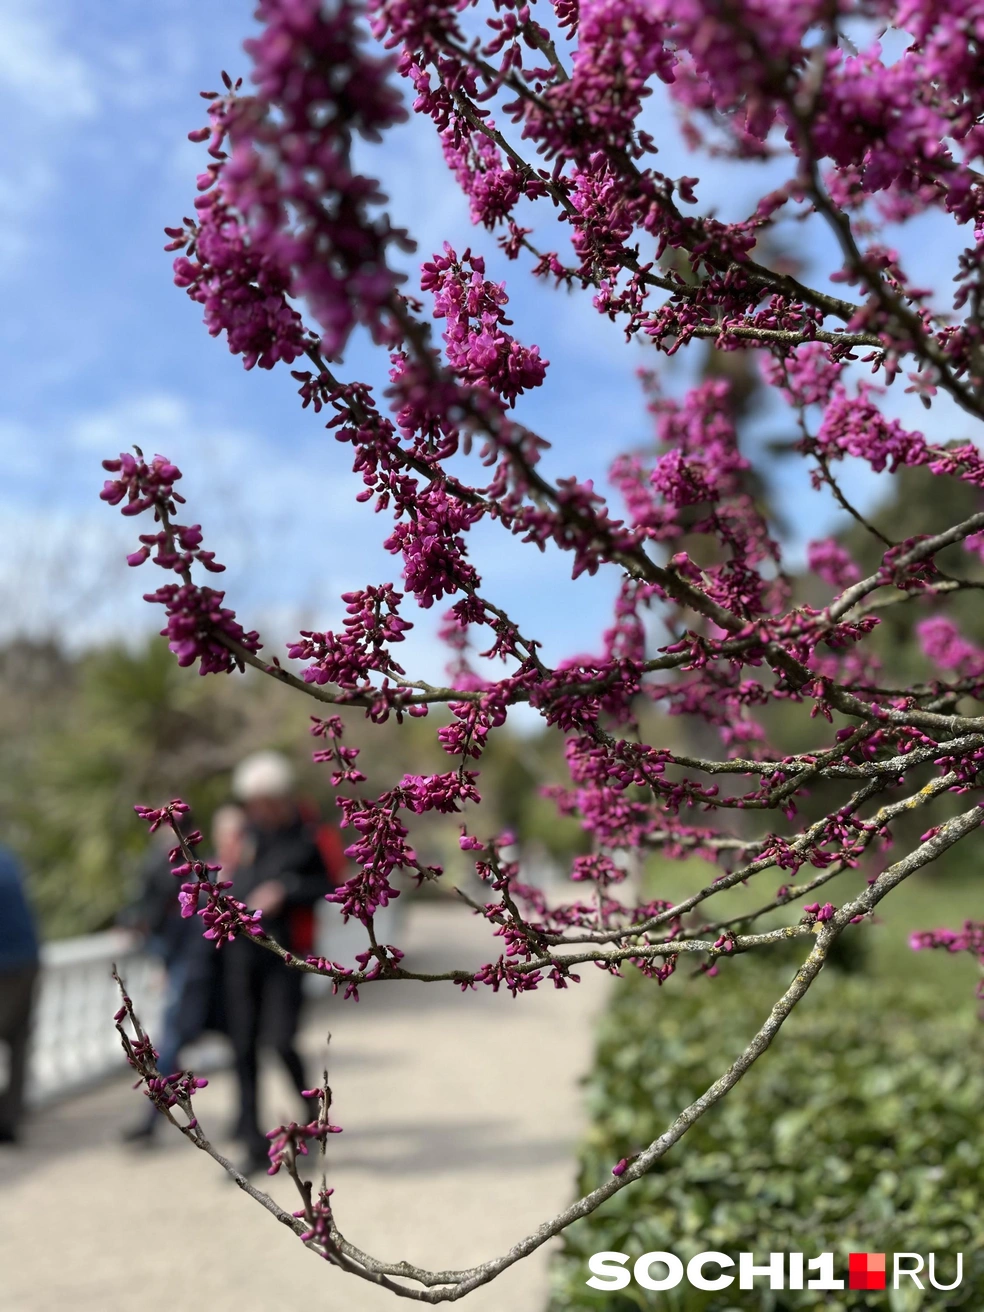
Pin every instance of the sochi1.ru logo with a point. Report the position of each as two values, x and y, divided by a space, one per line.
662 1271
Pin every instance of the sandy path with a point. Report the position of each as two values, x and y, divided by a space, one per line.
459 1115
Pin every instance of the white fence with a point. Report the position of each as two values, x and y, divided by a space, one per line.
74 1041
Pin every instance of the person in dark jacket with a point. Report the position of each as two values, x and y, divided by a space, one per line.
18 976
283 875
193 1001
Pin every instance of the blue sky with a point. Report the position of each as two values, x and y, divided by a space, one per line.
101 351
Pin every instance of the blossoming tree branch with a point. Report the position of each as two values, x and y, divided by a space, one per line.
539 114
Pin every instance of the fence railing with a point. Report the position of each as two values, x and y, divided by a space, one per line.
74 1042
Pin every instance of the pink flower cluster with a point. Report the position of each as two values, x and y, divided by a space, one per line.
288 1142
199 627
832 563
282 212
241 289
543 119
969 939
478 347
943 643
728 711
348 658
223 916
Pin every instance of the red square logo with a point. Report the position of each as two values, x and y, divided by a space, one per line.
866 1271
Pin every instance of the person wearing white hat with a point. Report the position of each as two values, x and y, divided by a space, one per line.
282 874
264 775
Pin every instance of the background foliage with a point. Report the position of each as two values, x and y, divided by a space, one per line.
859 1131
82 737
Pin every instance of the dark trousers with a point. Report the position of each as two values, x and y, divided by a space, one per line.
186 1007
263 1004
16 997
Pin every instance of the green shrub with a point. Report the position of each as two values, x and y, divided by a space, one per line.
860 1130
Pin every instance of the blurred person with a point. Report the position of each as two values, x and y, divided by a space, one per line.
193 991
18 976
283 874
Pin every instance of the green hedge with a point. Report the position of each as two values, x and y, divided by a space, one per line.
860 1130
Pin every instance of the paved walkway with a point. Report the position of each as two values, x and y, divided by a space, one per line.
460 1115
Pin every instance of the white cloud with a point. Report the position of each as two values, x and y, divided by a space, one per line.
25 184
286 526
143 420
45 87
280 514
37 69
62 575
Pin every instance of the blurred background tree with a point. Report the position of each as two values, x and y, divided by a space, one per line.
82 736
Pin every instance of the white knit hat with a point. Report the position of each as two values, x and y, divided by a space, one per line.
263 774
